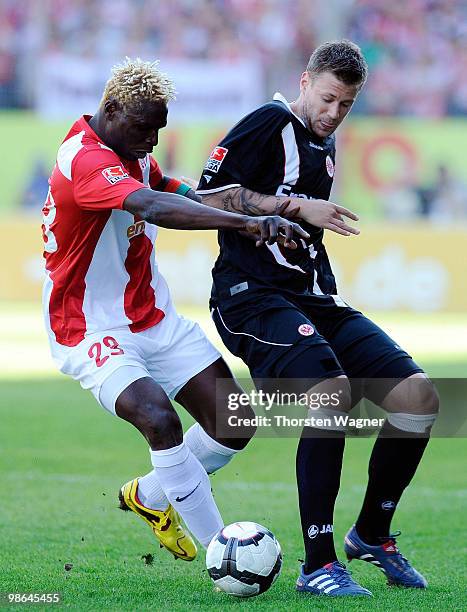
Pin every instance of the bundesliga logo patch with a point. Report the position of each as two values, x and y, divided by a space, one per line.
306 330
329 166
215 159
114 174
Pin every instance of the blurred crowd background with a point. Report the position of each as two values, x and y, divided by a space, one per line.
416 50
401 161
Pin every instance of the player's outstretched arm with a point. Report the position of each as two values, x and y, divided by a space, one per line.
175 212
320 213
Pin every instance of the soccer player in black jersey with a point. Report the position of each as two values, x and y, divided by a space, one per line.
279 310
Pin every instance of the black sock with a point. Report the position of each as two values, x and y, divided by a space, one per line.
392 466
319 464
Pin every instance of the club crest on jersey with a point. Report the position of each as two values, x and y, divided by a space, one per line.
306 330
329 166
216 158
114 174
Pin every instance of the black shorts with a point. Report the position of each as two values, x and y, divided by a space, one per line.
270 332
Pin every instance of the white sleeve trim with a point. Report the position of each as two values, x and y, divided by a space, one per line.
292 158
217 189
67 153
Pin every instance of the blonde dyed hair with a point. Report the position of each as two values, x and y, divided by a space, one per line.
135 82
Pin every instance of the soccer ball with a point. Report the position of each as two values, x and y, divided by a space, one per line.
244 559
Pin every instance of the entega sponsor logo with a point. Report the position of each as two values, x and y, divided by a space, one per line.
136 229
286 190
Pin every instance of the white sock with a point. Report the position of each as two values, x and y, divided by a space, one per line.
211 454
187 487
150 492
208 451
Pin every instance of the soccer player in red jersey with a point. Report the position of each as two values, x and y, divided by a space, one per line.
108 312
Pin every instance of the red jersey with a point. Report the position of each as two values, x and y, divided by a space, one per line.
100 267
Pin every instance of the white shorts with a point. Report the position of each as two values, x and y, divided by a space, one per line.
172 353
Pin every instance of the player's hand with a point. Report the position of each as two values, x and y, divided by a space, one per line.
269 230
190 182
327 215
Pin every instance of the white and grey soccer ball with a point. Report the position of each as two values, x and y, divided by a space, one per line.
244 559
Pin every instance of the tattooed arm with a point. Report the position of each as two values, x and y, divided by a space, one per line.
319 213
247 202
243 201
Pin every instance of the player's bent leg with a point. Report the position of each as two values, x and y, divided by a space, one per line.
412 406
150 493
179 369
181 476
152 505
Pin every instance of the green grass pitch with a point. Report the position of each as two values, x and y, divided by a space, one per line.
63 459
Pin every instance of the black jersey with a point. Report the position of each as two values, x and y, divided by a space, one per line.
270 151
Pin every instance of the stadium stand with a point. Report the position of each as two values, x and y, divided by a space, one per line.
427 39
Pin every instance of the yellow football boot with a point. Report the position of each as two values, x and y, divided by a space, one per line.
165 524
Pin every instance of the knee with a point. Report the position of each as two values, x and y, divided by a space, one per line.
414 406
154 421
158 418
420 396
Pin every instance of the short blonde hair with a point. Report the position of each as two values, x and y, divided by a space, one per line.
135 82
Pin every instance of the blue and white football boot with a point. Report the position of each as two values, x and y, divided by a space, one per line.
332 580
387 558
